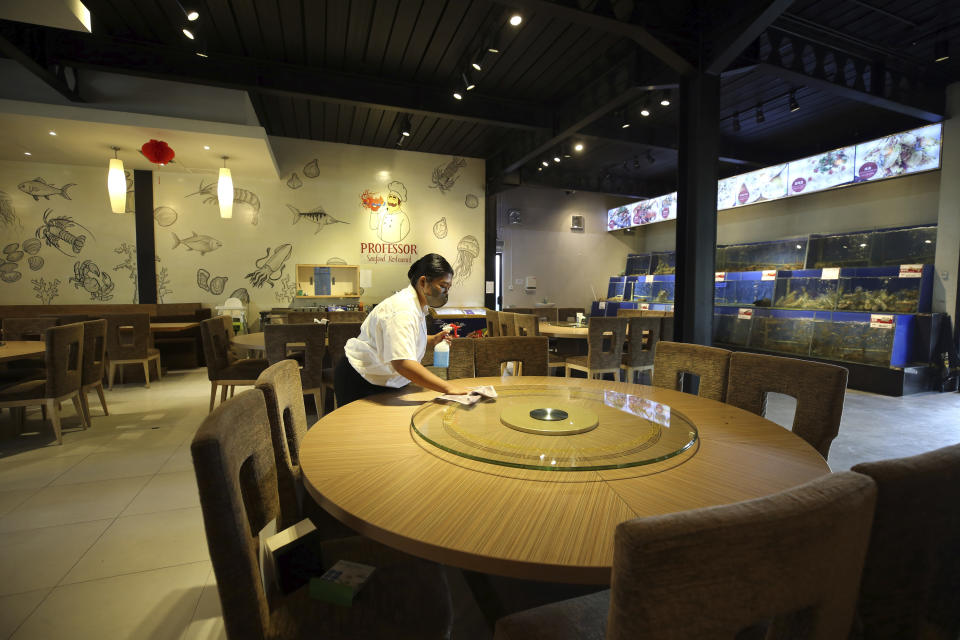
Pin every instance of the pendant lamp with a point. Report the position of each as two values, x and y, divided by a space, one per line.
117 184
225 191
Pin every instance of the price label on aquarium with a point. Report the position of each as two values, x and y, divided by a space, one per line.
830 273
878 321
745 314
644 306
769 275
911 270
648 278
719 276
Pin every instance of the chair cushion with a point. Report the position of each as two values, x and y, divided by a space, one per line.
29 390
555 359
248 369
579 361
584 618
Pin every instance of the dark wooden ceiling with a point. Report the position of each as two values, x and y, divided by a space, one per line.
357 71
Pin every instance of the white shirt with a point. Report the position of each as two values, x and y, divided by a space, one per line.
395 330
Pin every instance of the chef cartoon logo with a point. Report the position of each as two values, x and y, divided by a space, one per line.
387 216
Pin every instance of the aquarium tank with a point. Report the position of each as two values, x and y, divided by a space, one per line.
852 342
663 263
915 245
638 264
760 256
883 290
782 334
804 289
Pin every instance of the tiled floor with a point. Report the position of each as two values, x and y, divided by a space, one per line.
103 538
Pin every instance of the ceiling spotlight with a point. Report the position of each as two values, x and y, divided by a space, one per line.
458 95
469 86
189 9
665 99
578 146
799 246
650 157
27 153
493 50
556 158
925 241
516 19
188 33
545 163
201 54
625 125
760 117
941 51
863 244
193 15
476 65
794 105
51 132
645 112
405 126
736 121
539 168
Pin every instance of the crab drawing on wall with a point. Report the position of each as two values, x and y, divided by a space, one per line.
244 202
88 276
269 268
445 176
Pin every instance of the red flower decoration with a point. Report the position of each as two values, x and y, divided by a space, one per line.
157 152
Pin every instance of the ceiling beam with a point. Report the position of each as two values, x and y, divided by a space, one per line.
761 14
246 74
22 45
634 32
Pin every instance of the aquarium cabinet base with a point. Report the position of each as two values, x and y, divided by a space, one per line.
866 377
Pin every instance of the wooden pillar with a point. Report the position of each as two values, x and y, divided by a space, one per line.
146 248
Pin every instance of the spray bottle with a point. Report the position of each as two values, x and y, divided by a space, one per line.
441 353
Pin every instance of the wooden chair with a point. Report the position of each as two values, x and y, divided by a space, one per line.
279 337
337 335
547 314
568 313
128 342
521 310
530 352
26 328
793 557
94 356
525 324
818 388
673 359
493 323
643 334
508 324
347 316
236 471
666 327
910 586
600 360
221 370
462 354
64 371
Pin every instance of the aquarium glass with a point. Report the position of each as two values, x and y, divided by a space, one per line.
879 295
784 335
732 330
805 293
852 342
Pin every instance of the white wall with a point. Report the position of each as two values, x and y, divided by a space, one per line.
566 263
948 230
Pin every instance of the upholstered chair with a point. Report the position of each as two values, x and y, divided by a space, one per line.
128 342
222 370
605 337
529 352
673 359
309 353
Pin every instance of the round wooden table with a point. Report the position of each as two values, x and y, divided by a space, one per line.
250 341
366 465
16 349
562 330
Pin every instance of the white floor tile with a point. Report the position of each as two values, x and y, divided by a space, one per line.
181 460
65 504
166 491
33 473
10 500
151 605
37 558
14 609
125 464
207 622
144 542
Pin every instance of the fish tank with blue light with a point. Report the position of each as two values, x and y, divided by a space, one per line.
643 291
784 332
853 339
638 264
805 289
760 256
663 263
729 328
663 287
893 289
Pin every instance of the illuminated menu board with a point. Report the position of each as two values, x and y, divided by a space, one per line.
897 155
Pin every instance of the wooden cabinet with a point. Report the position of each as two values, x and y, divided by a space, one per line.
328 281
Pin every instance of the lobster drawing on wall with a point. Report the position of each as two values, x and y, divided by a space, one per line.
62 231
445 176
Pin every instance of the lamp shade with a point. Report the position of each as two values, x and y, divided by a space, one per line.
117 186
225 193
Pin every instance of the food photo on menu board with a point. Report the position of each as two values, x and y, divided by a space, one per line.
654 210
823 171
769 183
618 218
899 154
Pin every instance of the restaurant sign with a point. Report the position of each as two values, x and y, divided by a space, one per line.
381 252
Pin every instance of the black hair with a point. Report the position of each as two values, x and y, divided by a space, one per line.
432 265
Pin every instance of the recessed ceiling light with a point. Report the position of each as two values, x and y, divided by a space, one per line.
456 94
476 65
644 112
556 158
27 153
193 15
206 147
625 125
202 55
53 133
188 33
545 163
578 146
516 19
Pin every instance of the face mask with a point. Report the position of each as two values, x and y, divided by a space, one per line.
436 298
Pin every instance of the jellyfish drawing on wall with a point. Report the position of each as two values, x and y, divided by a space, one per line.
468 250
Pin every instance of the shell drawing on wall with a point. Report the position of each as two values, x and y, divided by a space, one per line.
88 276
269 268
336 260
445 176
8 214
9 269
471 201
244 202
317 216
468 250
165 216
211 285
63 233
40 188
311 169
440 228
241 294
294 181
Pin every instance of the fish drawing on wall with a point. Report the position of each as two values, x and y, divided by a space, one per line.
244 202
62 232
311 169
270 267
8 215
471 201
316 215
445 176
336 260
241 294
294 182
88 276
165 216
203 244
40 188
211 285
45 291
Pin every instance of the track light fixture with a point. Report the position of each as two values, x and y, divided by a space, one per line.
556 158
190 9
941 51
736 121
515 20
467 84
457 95
665 99
188 33
476 65
645 112
545 163
405 126
578 147
636 162
794 105
760 117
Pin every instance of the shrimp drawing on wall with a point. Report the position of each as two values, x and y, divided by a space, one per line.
269 268
63 231
245 202
445 176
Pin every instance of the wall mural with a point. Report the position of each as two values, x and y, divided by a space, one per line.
387 216
245 203
210 285
311 169
445 176
471 201
61 233
45 291
372 202
131 203
336 260
163 283
294 182
317 216
165 216
270 265
40 188
129 253
468 250
9 267
88 276
241 294
440 229
8 214
203 244
287 290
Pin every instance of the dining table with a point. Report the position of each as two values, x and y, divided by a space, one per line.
563 329
249 341
533 483
172 327
16 349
